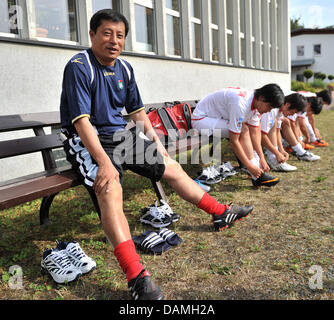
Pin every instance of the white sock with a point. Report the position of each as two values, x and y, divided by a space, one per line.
256 163
298 149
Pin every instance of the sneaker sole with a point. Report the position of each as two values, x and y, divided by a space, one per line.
44 271
269 183
155 225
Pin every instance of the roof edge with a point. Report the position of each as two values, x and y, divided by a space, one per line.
312 31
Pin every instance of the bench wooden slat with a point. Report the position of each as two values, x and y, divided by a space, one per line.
29 121
34 176
37 188
21 146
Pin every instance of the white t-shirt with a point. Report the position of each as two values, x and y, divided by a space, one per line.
232 104
268 120
302 115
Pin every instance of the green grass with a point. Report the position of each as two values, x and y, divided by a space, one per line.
266 256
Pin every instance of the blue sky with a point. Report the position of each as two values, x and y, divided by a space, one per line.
313 13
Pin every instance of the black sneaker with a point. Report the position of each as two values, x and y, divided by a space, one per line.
143 287
231 215
265 180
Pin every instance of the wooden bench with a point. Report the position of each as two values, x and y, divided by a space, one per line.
48 183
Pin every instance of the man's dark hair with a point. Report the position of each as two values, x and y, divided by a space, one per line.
316 104
271 93
297 102
326 96
108 14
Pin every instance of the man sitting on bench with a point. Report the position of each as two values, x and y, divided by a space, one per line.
96 87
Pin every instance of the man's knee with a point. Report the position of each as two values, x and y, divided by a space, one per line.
172 169
115 192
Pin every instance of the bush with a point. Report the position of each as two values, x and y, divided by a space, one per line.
298 86
308 74
330 77
318 84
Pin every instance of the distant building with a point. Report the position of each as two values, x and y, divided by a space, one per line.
312 49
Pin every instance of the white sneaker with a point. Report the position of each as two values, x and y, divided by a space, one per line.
168 211
308 156
77 256
283 167
209 176
59 266
155 217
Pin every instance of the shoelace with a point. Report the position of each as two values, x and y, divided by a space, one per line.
157 213
62 259
166 208
207 172
77 252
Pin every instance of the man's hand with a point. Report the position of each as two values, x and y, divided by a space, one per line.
280 157
285 155
264 165
106 176
255 171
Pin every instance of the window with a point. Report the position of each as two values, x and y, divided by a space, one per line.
196 29
10 17
229 32
145 26
173 27
317 49
242 13
105 4
214 30
55 19
300 51
264 24
254 20
300 77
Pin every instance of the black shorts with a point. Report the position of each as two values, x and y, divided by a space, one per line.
127 150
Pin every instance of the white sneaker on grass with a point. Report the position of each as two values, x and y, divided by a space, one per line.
155 217
77 256
308 156
58 265
281 167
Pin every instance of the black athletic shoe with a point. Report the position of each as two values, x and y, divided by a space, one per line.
143 287
231 215
265 180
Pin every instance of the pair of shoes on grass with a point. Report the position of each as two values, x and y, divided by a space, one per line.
157 242
66 263
159 216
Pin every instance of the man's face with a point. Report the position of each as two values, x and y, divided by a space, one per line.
262 107
309 110
286 111
108 41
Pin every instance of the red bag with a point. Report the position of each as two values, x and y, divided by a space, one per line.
173 120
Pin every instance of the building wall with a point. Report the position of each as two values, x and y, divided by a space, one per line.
324 62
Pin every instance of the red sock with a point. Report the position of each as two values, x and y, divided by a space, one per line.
128 259
211 205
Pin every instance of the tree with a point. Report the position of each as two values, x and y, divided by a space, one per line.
330 77
295 24
308 74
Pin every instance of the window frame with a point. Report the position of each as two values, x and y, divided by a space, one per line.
151 5
174 14
314 52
